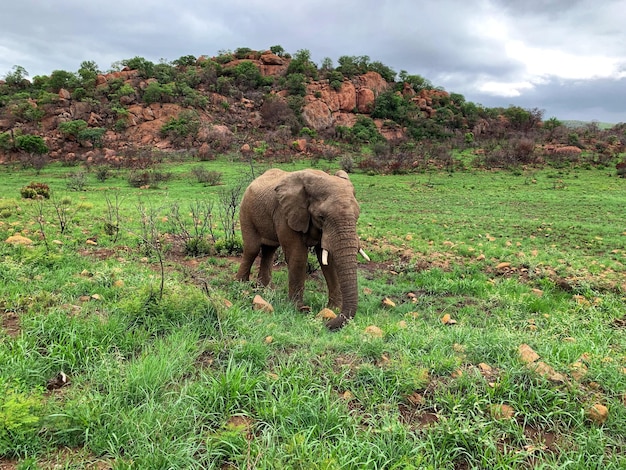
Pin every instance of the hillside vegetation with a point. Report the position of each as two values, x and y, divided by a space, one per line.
276 106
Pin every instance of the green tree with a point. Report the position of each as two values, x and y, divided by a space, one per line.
327 64
296 84
353 65
16 78
552 124
88 72
335 79
301 63
185 61
186 124
278 50
143 66
247 75
523 119
417 82
391 105
242 52
62 79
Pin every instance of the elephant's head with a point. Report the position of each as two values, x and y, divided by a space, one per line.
324 208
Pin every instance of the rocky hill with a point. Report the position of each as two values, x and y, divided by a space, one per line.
225 112
262 101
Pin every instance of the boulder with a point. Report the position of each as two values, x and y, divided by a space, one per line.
365 100
317 115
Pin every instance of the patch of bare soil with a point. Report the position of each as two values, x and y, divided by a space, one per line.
6 464
10 322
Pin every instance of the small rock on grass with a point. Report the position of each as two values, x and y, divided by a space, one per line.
18 240
326 314
259 303
448 320
597 413
374 331
527 354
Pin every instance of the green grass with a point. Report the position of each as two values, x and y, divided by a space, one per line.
179 378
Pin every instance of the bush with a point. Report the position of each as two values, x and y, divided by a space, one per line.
347 164
296 84
93 135
103 173
76 181
157 93
150 178
210 178
72 128
32 144
35 190
198 247
6 141
186 124
229 247
363 131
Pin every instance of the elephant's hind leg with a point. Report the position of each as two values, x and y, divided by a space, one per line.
250 252
267 260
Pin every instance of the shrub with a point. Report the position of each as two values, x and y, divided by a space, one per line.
93 135
347 163
32 144
6 141
275 112
35 190
143 66
157 93
186 124
335 79
363 131
210 178
229 246
278 50
72 128
150 178
296 84
198 247
76 181
103 173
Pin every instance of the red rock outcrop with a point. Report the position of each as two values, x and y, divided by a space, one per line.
324 104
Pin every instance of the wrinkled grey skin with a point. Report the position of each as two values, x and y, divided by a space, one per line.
298 210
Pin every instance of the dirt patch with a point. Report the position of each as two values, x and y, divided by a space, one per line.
7 464
417 418
10 322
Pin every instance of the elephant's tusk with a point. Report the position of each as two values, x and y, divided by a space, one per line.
325 257
364 255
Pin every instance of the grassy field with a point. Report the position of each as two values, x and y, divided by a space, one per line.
490 331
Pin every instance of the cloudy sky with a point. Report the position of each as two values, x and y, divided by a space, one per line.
566 57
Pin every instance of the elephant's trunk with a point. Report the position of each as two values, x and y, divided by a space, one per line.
344 251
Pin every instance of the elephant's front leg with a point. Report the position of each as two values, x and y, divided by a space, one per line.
332 281
296 257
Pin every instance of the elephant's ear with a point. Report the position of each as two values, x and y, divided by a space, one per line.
293 199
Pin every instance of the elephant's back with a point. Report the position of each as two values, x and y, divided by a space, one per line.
261 191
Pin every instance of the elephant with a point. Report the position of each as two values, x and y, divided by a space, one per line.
298 210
